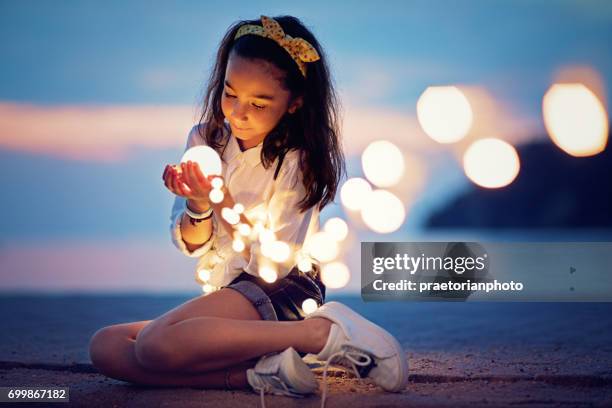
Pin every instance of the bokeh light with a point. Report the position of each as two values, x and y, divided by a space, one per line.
491 163
354 193
204 274
336 227
444 113
207 158
304 264
216 196
268 273
278 251
383 163
383 212
335 275
238 245
321 246
230 216
238 208
217 182
575 119
309 305
265 235
244 229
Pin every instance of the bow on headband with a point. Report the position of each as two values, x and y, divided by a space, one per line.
300 50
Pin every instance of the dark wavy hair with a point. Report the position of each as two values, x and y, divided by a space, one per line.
313 129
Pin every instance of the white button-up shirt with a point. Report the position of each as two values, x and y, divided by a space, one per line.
272 201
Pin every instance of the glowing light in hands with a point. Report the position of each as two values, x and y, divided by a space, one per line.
207 158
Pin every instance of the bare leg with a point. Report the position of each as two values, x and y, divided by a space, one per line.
112 351
221 330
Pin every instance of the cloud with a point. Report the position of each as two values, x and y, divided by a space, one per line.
99 133
109 133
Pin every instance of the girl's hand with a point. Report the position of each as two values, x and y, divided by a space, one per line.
187 180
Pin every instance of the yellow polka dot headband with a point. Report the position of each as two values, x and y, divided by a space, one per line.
300 50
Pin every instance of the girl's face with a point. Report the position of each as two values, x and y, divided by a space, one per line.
253 99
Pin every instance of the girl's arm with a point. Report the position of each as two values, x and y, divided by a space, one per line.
197 234
198 188
188 235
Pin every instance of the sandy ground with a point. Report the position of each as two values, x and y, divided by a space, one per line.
427 388
476 355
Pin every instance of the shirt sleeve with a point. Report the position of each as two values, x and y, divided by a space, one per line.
284 216
178 208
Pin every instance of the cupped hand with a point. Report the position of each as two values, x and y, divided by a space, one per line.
187 180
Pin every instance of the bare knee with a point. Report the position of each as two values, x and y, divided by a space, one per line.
104 349
153 352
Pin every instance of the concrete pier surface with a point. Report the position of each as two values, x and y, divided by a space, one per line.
460 354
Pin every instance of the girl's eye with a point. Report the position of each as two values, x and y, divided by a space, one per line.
255 105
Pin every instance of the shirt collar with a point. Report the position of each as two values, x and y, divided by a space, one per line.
252 156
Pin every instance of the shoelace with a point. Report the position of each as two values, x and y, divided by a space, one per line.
267 388
349 358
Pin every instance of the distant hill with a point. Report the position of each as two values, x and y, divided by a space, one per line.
552 190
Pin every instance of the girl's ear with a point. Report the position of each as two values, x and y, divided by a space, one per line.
295 104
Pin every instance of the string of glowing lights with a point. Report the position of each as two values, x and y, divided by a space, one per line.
570 111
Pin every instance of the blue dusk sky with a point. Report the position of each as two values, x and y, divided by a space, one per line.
96 97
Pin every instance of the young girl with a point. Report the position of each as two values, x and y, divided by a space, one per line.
270 112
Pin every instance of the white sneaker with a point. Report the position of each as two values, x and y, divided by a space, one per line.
282 374
365 348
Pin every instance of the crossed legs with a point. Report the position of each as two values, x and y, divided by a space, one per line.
202 343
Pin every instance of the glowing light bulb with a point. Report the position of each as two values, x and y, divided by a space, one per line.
383 163
238 245
238 208
383 212
216 196
230 216
309 305
336 227
335 275
304 265
354 193
217 182
244 229
266 235
491 163
207 158
268 273
575 119
280 251
444 113
204 274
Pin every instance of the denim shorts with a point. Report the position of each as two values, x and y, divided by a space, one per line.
282 299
